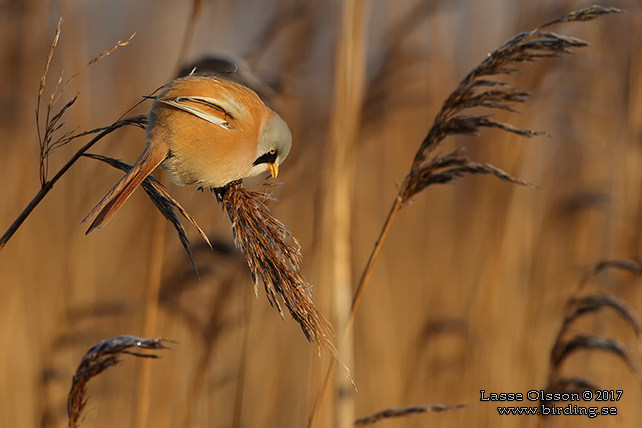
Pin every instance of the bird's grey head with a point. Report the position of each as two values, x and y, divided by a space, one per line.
274 146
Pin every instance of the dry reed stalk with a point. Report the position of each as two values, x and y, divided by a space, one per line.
335 262
53 124
139 121
274 257
479 89
100 357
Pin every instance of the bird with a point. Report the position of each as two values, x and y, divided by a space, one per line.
206 131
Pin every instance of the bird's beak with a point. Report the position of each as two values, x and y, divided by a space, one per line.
274 169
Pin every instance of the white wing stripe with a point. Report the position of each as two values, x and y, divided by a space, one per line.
199 113
228 104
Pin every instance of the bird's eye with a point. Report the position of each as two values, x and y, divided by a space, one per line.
268 157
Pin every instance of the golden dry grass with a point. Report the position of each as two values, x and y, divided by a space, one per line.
472 287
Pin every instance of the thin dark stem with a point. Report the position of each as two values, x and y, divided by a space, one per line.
44 190
374 256
356 299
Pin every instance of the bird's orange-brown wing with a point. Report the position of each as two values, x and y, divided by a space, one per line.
116 197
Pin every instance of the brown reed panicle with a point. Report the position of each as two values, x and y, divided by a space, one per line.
477 90
100 357
274 257
163 201
47 143
568 341
399 412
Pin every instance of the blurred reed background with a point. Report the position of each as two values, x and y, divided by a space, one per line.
470 289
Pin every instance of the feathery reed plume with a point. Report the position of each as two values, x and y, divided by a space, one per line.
564 348
632 266
274 256
569 342
399 412
47 143
477 90
52 124
582 306
100 357
163 201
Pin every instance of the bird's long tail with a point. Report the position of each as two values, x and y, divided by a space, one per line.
116 197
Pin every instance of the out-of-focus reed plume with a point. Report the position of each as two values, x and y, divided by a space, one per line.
401 412
100 357
570 340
